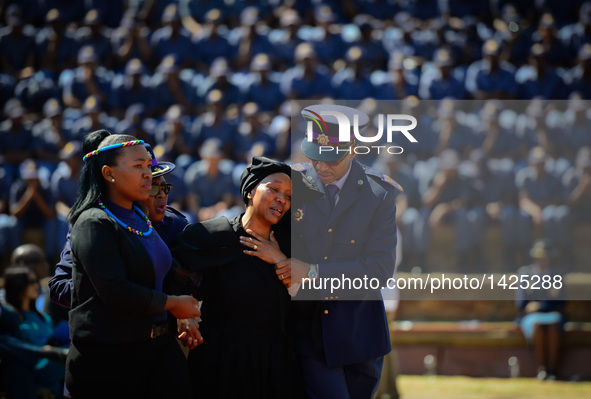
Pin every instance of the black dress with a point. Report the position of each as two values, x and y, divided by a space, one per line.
248 349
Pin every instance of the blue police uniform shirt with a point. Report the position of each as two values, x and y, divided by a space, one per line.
163 97
204 127
171 226
66 52
373 53
181 46
77 87
462 137
577 134
37 89
540 190
267 96
64 185
294 82
33 217
5 182
15 141
244 142
124 94
425 43
581 210
179 191
433 87
347 87
210 189
429 138
163 131
575 37
231 93
579 83
327 47
47 140
520 46
101 44
499 186
529 137
386 87
551 86
208 48
120 35
480 78
260 43
394 41
283 47
504 145
558 54
82 126
16 49
460 187
7 86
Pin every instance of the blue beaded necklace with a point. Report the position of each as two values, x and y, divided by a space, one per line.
134 231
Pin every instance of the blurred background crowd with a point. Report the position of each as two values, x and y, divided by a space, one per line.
208 84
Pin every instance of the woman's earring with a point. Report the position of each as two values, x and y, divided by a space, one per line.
113 180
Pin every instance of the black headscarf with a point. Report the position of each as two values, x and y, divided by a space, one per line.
257 171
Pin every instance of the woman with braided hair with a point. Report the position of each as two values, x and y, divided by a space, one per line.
122 345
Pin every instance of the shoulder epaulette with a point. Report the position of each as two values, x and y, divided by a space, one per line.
176 212
385 178
300 166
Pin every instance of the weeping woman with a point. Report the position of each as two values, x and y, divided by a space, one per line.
248 349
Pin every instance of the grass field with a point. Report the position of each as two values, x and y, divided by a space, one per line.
440 387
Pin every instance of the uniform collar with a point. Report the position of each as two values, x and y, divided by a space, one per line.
340 182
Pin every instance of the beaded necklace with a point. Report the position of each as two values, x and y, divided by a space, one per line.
134 231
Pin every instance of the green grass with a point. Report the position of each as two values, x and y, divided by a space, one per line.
441 387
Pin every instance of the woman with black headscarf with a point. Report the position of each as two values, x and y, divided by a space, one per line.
248 350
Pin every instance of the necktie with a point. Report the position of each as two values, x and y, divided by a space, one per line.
332 190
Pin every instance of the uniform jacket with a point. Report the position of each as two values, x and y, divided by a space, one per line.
355 239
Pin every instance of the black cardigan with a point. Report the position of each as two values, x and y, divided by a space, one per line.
114 299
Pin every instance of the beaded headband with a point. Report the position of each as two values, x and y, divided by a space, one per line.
112 146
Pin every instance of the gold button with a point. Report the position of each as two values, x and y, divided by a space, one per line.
336 297
352 241
326 298
326 312
360 182
332 297
326 258
330 230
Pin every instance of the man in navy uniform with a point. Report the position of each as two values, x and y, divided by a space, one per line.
342 336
